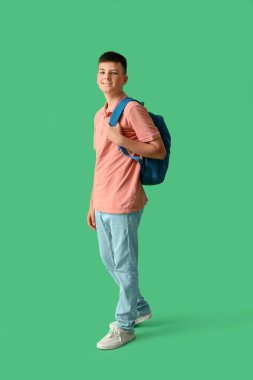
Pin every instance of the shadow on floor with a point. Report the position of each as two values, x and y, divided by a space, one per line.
186 323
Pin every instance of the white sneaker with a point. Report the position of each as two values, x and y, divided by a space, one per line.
115 338
140 319
143 318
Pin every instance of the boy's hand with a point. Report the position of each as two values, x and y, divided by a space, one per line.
114 133
91 220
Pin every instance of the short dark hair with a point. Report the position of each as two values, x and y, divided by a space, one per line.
112 56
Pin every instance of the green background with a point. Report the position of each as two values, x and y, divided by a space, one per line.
190 61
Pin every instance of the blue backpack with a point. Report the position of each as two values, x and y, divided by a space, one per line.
153 170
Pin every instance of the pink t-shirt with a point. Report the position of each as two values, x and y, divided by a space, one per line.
117 187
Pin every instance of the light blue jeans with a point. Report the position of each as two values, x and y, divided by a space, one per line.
118 246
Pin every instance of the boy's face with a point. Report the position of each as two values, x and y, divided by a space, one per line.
111 77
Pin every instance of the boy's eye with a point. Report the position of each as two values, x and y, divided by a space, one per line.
113 72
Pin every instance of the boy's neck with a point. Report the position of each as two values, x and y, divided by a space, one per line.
112 100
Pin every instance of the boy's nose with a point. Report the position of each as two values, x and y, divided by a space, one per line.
106 75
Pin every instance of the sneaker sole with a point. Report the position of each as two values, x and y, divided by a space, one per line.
143 318
139 320
113 348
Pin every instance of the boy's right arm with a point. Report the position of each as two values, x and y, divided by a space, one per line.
91 221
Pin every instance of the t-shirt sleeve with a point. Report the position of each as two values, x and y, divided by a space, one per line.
142 123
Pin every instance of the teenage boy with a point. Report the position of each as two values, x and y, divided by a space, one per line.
118 198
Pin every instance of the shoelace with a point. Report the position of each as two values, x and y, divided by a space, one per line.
114 331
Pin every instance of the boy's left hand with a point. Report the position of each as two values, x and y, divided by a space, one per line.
114 133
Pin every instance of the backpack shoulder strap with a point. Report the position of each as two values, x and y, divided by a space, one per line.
114 118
